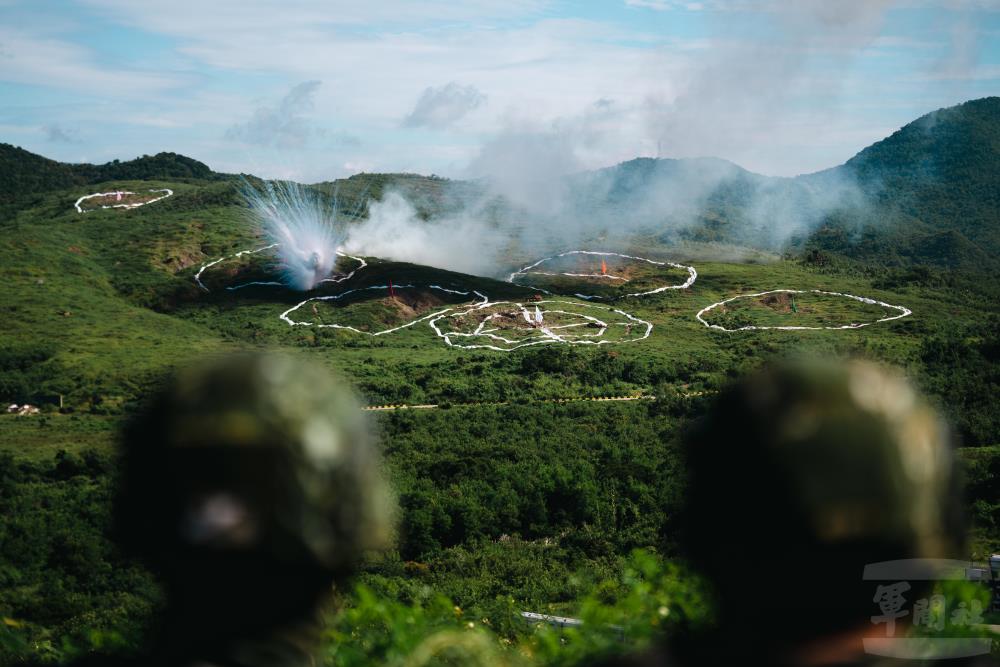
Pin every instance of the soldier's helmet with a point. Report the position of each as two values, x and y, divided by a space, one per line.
801 475
251 483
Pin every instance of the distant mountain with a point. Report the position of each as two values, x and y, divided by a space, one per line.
936 182
954 147
22 171
927 194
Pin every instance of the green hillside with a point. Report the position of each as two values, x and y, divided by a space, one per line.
927 194
22 172
938 181
24 176
522 489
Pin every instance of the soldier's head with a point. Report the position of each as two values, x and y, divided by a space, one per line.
802 474
251 484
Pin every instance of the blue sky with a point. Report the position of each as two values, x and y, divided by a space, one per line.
316 90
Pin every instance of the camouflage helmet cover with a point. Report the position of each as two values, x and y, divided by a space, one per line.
861 455
257 453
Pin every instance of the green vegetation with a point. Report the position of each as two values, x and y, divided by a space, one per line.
936 182
524 505
791 309
374 312
608 277
25 172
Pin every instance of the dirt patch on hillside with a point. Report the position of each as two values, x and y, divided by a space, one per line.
510 318
407 304
781 302
591 265
178 259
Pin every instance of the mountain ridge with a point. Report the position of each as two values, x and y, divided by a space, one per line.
23 172
927 193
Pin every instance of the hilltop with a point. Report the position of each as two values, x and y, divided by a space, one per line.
25 175
937 180
927 194
23 172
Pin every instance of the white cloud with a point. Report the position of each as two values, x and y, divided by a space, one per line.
46 61
284 126
60 135
721 89
664 5
374 75
184 17
440 107
658 5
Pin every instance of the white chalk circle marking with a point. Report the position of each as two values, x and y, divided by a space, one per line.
79 201
527 271
273 283
286 316
902 310
594 328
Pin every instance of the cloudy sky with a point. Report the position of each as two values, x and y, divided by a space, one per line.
318 89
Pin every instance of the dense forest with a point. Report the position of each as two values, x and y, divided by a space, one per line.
22 172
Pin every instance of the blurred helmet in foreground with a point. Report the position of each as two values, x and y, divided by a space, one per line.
253 456
804 473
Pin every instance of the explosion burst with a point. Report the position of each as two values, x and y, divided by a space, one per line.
304 226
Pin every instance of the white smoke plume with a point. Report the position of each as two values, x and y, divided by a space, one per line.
304 227
394 230
731 102
536 193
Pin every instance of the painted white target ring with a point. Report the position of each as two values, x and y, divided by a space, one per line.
528 270
82 199
903 311
273 283
287 315
589 330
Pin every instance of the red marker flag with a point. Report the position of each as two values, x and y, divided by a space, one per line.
392 292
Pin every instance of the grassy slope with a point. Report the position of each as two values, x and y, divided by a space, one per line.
67 289
466 475
125 278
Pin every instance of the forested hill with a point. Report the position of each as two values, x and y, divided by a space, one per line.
24 172
927 194
955 147
937 182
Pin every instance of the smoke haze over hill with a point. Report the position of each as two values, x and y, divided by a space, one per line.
732 103
907 187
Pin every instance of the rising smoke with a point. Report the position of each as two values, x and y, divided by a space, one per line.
674 203
464 242
537 189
